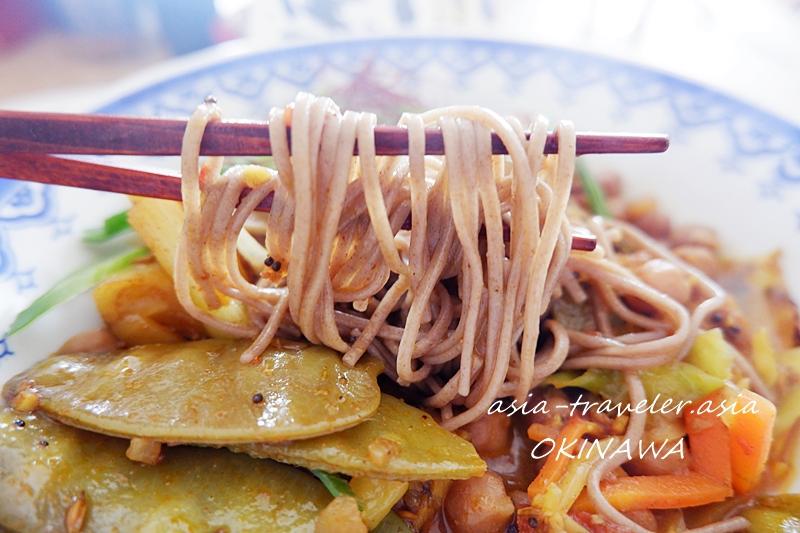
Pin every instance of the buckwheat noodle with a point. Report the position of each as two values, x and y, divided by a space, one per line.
451 308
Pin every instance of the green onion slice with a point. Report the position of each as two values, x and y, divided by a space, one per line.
113 226
336 485
74 284
594 193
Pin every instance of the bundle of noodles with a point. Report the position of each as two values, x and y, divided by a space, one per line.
343 270
454 304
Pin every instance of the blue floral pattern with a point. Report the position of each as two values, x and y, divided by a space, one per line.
4 350
23 205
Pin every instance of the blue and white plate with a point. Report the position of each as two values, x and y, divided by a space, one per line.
729 166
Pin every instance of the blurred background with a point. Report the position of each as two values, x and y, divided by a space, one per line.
55 51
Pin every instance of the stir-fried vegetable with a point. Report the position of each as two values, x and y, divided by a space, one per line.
139 306
672 491
400 443
572 315
112 226
675 382
709 439
159 223
336 485
758 286
342 515
374 499
712 354
563 475
729 435
764 359
771 521
609 384
423 501
200 392
392 524
46 466
774 514
750 425
74 284
378 497
704 370
569 439
594 193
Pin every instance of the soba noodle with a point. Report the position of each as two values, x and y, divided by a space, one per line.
450 307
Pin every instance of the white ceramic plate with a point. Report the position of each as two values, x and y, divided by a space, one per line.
729 166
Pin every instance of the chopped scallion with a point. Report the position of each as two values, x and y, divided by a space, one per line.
113 226
336 485
74 284
594 193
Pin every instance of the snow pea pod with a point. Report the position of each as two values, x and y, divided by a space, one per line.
199 392
52 475
399 443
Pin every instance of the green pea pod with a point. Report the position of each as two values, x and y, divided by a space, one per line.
46 466
399 443
199 392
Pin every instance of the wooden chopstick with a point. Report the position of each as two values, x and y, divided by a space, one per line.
53 170
58 133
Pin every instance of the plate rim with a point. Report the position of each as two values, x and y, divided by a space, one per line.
159 82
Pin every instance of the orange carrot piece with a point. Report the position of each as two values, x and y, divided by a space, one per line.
750 429
539 432
656 492
709 439
567 441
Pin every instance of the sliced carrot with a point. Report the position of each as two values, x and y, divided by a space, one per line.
730 439
656 492
750 426
567 442
709 439
539 432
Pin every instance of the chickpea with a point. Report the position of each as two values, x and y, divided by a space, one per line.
665 277
694 235
478 505
490 434
655 224
92 341
699 257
